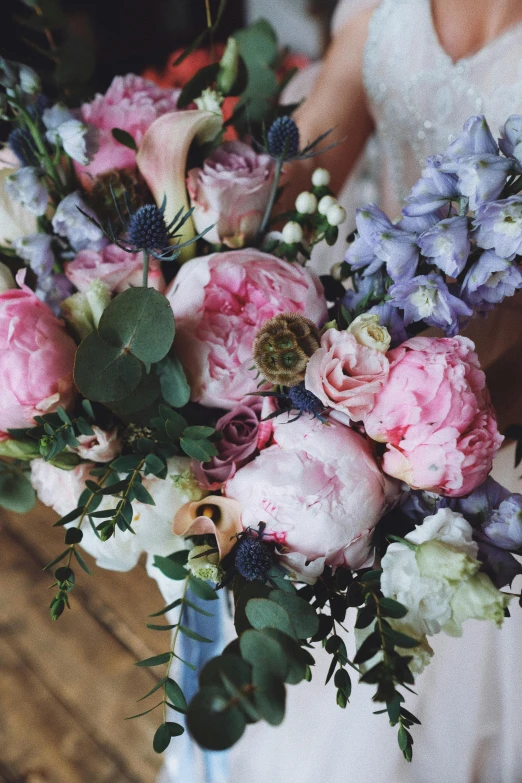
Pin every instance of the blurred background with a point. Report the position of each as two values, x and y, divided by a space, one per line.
66 687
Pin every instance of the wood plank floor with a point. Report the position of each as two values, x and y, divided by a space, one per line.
66 687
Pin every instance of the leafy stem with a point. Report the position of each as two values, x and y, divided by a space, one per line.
273 195
173 645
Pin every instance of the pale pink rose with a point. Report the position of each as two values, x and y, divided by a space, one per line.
114 267
346 375
132 104
231 192
36 359
435 415
103 446
319 490
60 489
220 302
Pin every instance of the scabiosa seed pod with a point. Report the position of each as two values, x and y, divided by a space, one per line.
115 185
253 559
147 228
283 138
283 346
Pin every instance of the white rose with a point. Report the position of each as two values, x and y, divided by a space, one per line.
367 331
476 599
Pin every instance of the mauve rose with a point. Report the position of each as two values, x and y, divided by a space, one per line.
220 302
319 489
231 192
435 414
36 359
346 375
114 267
240 437
132 104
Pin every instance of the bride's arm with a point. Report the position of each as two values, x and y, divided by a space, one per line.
338 101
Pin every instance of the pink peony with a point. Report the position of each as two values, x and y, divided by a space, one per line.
319 490
131 104
114 267
36 359
346 375
240 433
435 415
231 192
220 302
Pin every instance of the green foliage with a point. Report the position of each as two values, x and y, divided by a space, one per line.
122 137
53 433
259 50
173 381
172 428
16 491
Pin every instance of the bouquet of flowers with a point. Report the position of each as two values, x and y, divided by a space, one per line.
176 382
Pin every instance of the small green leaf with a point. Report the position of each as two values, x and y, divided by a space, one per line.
188 632
155 465
392 608
156 660
126 464
170 568
401 639
176 696
56 560
265 613
152 627
141 714
173 381
202 589
122 137
402 738
158 685
73 536
70 517
81 562
161 739
200 450
198 432
304 618
175 729
143 495
166 609
16 492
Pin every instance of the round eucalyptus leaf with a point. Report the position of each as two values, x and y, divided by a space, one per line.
161 739
264 654
248 591
146 392
103 372
139 321
269 698
304 618
298 658
236 669
212 723
16 492
265 613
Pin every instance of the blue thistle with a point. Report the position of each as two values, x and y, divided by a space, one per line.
283 138
147 228
303 400
253 558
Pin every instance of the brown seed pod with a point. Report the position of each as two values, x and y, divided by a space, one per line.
121 182
283 346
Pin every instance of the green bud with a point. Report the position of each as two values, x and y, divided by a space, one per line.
25 450
228 67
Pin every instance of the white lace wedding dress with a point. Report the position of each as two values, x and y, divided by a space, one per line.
470 697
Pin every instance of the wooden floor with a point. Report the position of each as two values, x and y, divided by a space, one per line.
66 687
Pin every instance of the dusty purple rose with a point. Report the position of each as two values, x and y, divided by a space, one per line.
239 430
231 192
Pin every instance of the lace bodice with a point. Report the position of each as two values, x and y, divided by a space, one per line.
420 98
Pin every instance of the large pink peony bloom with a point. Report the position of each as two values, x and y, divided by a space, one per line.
220 302
114 267
319 490
435 415
36 360
132 104
231 192
346 375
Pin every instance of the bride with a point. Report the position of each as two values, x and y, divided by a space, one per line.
412 72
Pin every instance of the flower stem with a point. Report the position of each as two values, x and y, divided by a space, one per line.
173 645
146 261
273 196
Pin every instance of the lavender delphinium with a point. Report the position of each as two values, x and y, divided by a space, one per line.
427 298
447 244
381 243
37 251
474 139
435 189
25 186
510 141
70 222
504 528
481 178
490 280
498 226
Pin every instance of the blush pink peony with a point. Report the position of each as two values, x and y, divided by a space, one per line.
319 489
231 192
346 375
132 104
114 267
36 359
435 415
220 302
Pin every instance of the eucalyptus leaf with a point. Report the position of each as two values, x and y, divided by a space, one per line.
16 492
139 321
173 381
264 654
304 618
265 613
104 372
170 568
122 137
212 722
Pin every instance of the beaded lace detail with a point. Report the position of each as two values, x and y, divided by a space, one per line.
420 98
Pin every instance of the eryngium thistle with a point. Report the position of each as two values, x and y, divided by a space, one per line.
283 138
253 559
147 229
283 347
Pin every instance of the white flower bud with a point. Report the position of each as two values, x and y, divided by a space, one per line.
367 331
325 204
336 215
335 271
292 233
210 100
29 80
321 178
306 203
